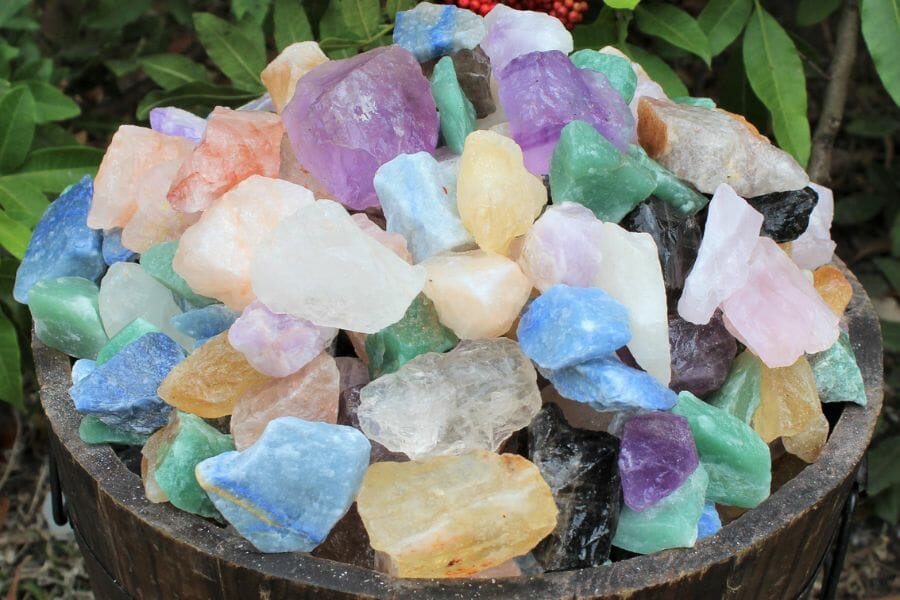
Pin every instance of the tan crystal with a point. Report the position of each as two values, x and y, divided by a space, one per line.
833 287
789 403
280 76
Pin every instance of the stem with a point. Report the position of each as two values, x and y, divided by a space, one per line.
835 93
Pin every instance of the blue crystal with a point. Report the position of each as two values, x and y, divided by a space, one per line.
608 384
122 391
430 30
286 491
81 368
113 250
568 325
709 522
204 323
62 244
418 197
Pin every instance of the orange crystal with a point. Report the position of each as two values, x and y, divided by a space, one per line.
833 287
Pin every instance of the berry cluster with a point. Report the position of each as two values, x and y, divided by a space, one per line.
570 12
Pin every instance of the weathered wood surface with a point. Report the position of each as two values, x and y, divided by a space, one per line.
142 550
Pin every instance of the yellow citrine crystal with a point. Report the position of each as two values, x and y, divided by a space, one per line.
210 381
453 516
789 403
280 76
833 287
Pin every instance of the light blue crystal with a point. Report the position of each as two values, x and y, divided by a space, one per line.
122 391
433 30
286 491
113 250
62 244
567 325
618 70
838 378
81 368
418 197
204 323
608 384
709 522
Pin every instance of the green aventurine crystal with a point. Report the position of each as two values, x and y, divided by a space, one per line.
739 395
126 335
92 430
735 457
617 69
456 111
188 441
838 378
694 101
586 168
669 188
66 315
670 523
157 262
418 332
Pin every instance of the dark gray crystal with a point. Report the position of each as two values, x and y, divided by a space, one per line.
701 354
786 214
473 70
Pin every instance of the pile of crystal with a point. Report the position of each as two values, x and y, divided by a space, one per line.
466 303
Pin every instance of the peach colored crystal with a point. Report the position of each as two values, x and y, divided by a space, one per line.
281 75
155 220
833 287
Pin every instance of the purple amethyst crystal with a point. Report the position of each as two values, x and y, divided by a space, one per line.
174 121
657 455
542 92
349 117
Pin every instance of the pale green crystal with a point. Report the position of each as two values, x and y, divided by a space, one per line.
67 316
669 188
735 457
125 336
739 395
670 523
618 70
838 378
157 261
694 101
455 110
92 430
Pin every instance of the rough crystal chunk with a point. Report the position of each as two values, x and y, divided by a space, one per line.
277 344
123 392
788 401
512 33
729 238
310 394
496 197
66 315
476 294
157 261
318 265
215 254
580 468
281 75
456 112
684 198
453 516
709 523
92 430
394 242
473 70
429 30
393 113
211 380
175 121
237 144
200 324
786 214
701 355
616 68
657 456
126 335
808 444
62 245
292 503
474 396
833 288
542 92
838 378
814 247
112 249
132 153
566 326
711 147
632 275
739 394
734 456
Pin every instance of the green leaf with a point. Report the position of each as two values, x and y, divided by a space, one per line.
239 57
887 505
50 104
9 9
876 126
51 170
624 4
192 96
10 364
723 21
881 30
392 7
890 268
858 208
674 26
810 12
16 127
895 236
23 202
255 9
13 235
776 75
172 70
115 14
596 35
658 70
353 19
883 460
291 23
122 67
890 334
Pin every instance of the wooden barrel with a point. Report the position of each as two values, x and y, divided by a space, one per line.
136 549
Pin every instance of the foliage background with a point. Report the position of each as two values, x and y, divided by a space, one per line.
72 71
